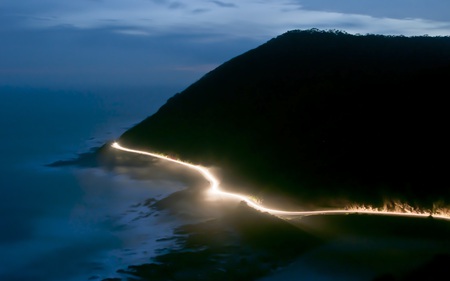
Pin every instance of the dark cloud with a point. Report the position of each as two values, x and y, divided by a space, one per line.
109 56
154 41
176 5
200 11
224 4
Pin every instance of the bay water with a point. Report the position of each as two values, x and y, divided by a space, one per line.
73 223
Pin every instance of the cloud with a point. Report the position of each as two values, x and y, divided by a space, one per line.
133 32
147 42
199 11
253 18
223 4
435 10
176 5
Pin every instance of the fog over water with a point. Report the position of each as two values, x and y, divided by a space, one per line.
71 223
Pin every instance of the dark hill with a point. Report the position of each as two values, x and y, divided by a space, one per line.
319 114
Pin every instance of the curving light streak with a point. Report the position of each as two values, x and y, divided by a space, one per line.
214 188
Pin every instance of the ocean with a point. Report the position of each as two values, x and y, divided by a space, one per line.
73 223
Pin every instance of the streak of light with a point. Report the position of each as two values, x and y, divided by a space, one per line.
214 188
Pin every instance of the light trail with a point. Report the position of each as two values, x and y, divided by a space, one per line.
214 188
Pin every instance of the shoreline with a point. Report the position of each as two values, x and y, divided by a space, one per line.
349 252
220 256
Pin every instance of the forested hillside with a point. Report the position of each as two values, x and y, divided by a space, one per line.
318 114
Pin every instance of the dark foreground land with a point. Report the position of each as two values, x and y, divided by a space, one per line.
244 244
319 118
227 240
317 114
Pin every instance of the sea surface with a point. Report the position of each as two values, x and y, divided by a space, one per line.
73 223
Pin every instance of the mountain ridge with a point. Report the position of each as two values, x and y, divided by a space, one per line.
318 114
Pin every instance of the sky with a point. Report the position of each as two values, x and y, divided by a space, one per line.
87 44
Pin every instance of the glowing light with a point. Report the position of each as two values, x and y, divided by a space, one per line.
214 188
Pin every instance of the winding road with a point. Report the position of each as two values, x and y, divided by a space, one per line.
214 188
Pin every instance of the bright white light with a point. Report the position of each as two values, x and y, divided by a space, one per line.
214 188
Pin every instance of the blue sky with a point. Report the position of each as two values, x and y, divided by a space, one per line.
85 44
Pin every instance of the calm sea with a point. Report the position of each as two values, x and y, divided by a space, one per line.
72 223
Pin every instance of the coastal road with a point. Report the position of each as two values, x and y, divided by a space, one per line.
215 189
